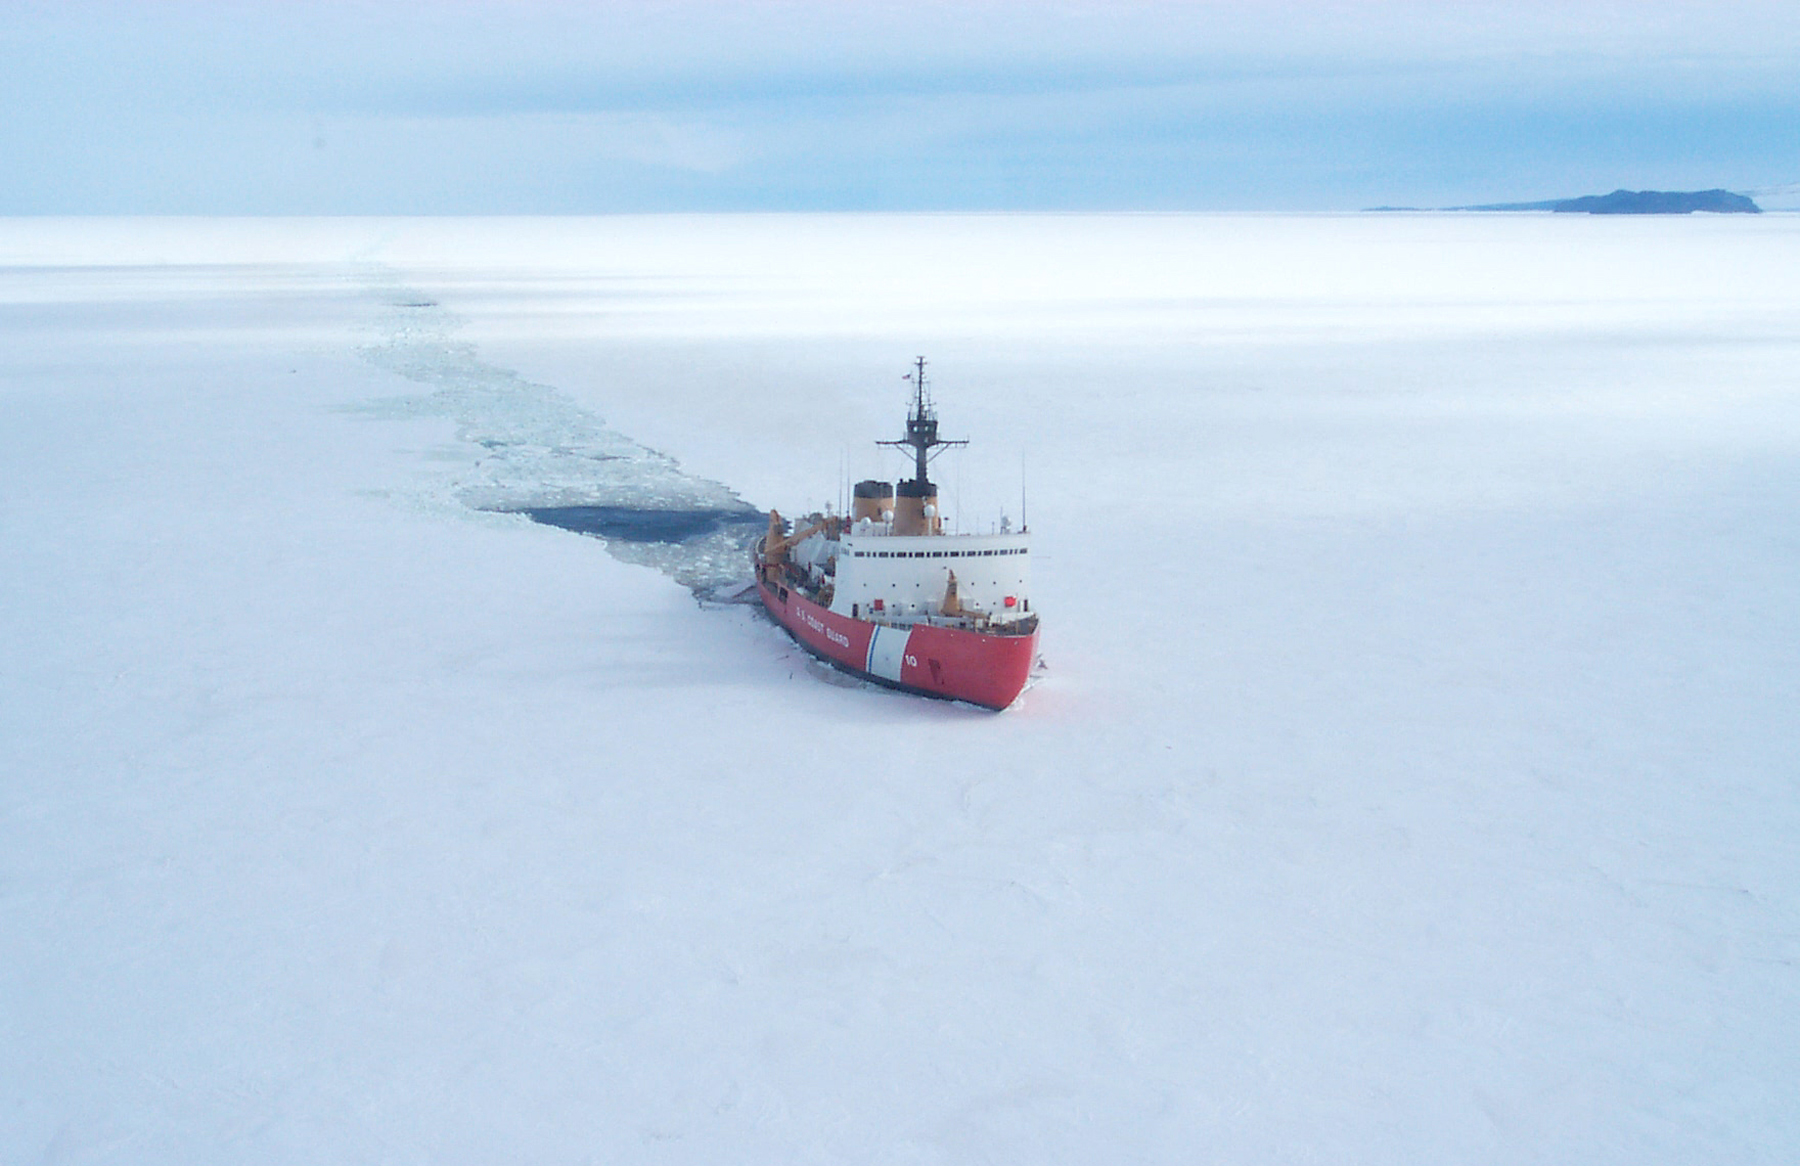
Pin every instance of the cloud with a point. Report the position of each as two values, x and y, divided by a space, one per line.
532 106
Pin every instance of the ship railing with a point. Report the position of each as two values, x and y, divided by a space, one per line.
1023 626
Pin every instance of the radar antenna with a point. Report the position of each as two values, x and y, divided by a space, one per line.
921 426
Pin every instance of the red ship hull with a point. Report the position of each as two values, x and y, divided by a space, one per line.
948 663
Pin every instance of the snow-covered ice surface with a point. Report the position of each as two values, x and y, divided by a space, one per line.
1415 778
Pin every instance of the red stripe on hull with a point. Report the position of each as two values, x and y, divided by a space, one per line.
936 661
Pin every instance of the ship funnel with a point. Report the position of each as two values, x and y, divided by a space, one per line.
916 509
870 499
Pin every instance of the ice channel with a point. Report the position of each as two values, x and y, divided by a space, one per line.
539 454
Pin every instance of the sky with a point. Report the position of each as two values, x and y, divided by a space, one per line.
389 107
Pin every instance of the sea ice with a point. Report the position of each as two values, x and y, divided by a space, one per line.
1413 782
542 454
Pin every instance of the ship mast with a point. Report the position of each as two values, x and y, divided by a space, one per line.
921 428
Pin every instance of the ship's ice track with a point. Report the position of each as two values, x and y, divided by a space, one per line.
536 453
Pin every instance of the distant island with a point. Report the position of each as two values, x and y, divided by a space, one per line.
1625 202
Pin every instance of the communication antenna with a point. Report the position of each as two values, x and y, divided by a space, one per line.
956 497
1024 519
921 427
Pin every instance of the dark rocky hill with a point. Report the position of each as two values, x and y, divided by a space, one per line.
1636 202
1659 202
1625 202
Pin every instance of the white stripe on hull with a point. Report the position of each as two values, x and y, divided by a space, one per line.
887 650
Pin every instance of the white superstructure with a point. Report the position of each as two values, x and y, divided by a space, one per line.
909 575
